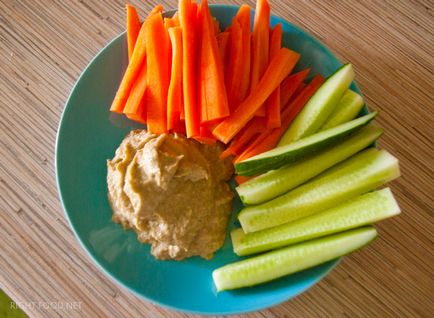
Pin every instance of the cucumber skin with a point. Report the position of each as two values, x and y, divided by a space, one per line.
277 182
324 191
320 106
258 164
288 260
349 106
363 210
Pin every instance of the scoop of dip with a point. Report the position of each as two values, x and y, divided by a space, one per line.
172 191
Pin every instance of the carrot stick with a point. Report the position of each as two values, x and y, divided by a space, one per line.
169 23
261 144
243 17
277 70
181 127
241 179
175 17
260 41
255 126
157 9
273 102
133 68
302 98
130 75
133 28
269 139
182 115
213 98
158 67
174 95
298 90
235 66
205 136
260 45
223 44
135 107
226 153
187 16
290 85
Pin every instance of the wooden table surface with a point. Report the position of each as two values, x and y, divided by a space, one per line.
45 45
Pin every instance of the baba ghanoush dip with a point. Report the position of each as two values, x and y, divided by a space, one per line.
172 191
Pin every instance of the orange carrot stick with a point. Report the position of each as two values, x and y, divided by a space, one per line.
181 127
260 45
226 153
273 102
135 107
235 66
255 126
290 85
187 16
176 18
158 67
174 96
241 179
243 17
277 70
172 22
298 90
262 143
269 139
133 28
169 23
133 68
157 9
223 44
182 115
205 136
302 98
213 98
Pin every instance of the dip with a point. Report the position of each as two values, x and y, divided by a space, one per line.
173 192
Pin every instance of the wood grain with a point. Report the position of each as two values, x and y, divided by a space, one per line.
44 46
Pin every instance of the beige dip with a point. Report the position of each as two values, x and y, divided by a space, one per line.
173 192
